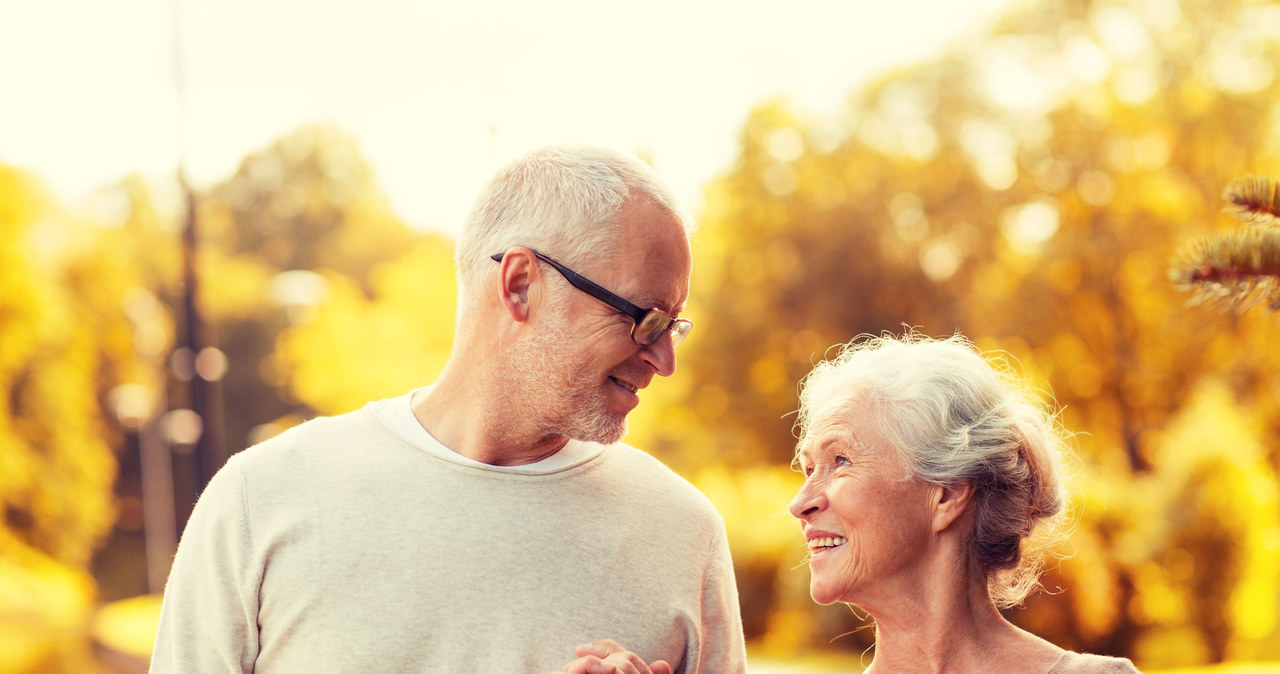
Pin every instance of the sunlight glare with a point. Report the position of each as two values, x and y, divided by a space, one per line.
1028 227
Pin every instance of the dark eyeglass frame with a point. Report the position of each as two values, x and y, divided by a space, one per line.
678 327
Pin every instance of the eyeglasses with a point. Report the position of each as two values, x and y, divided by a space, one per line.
650 324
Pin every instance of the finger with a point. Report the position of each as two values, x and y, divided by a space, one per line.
583 665
589 650
601 648
618 663
660 667
608 667
627 662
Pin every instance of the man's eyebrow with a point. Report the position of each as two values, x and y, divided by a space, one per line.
653 302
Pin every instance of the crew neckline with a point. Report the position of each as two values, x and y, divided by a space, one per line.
397 413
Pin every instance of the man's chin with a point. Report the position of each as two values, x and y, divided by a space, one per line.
604 433
617 435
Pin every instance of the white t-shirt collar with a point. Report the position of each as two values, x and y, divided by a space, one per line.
398 414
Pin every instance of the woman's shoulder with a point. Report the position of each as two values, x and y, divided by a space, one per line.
1085 663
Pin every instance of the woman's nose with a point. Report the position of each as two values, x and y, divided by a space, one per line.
809 501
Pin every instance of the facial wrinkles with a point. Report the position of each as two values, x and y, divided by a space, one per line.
627 279
559 397
605 326
665 291
829 456
656 259
883 517
830 431
829 465
673 298
567 397
842 468
850 420
667 284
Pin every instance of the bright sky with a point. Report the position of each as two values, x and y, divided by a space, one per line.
438 94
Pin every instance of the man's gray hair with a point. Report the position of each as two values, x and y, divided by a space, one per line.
562 201
950 416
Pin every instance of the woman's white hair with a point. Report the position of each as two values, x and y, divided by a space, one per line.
562 201
953 417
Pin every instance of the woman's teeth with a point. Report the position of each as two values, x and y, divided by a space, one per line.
827 542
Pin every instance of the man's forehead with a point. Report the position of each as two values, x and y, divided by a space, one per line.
651 267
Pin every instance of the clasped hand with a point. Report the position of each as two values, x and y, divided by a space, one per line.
609 657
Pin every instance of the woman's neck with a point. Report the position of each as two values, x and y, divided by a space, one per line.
956 631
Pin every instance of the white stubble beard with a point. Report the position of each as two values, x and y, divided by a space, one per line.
559 398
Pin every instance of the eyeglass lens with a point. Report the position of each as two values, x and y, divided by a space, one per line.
654 323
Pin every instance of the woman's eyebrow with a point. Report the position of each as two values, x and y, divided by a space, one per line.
838 442
802 456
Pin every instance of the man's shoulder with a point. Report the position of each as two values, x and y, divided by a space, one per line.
315 438
646 465
651 477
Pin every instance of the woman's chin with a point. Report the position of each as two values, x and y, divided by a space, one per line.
822 594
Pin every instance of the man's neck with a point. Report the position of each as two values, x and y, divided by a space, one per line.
460 418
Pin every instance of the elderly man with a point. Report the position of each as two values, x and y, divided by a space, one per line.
491 521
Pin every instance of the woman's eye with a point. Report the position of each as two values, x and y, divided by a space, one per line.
843 461
808 470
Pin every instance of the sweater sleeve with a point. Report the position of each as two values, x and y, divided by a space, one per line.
721 647
208 619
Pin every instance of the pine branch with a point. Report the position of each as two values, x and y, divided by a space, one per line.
1239 269
1254 200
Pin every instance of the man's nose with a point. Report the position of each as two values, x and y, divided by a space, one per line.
661 355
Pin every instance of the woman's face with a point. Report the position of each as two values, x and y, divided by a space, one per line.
866 524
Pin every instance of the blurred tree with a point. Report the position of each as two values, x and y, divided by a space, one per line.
303 210
784 237
355 348
72 383
131 264
307 201
1027 190
55 366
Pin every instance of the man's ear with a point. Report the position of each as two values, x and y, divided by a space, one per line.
515 278
949 503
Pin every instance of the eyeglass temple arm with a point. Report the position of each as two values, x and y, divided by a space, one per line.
588 286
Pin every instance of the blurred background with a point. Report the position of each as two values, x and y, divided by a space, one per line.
218 220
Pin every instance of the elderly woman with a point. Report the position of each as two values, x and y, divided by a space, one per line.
926 472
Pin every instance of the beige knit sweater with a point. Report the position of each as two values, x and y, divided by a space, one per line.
343 546
1082 663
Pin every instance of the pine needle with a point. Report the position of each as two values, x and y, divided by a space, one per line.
1254 200
1234 269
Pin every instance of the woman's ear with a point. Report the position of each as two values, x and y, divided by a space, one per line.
515 277
949 503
